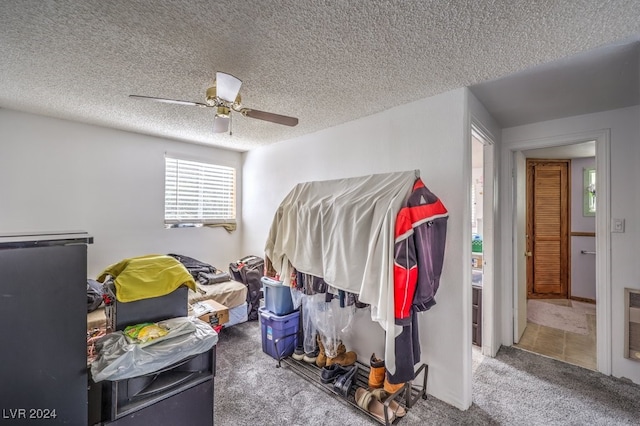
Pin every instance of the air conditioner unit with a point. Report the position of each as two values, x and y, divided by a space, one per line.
632 324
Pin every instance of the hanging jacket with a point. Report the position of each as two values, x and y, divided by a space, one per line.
420 233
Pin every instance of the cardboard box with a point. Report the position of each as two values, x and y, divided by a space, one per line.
219 314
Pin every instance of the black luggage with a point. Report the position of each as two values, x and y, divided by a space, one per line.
249 270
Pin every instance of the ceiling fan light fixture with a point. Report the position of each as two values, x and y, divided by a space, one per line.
224 96
229 86
221 124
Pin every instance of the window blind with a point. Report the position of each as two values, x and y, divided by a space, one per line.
198 193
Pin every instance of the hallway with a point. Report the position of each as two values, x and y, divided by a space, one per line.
573 348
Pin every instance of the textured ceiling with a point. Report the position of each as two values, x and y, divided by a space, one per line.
597 80
325 62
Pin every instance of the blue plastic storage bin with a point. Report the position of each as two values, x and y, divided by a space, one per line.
283 328
277 297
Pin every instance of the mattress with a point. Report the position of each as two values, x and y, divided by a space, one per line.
228 293
237 315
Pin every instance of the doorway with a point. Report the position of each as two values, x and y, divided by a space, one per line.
569 346
482 239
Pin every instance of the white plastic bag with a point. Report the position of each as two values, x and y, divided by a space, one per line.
119 359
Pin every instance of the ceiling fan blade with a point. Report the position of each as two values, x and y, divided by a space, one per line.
227 86
269 116
220 124
168 101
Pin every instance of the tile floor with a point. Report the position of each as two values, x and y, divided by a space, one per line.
562 345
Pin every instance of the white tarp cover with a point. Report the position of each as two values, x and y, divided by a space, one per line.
343 231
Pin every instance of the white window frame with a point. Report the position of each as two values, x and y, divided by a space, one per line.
199 193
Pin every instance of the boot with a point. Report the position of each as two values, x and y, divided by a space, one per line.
391 388
343 357
376 373
321 359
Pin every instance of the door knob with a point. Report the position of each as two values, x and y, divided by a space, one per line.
528 254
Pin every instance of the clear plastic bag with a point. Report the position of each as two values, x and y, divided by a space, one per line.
330 320
119 359
308 326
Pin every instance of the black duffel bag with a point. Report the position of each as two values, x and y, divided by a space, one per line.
249 270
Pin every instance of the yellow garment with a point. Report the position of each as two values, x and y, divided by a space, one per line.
147 276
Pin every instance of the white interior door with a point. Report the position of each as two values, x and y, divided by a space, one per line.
519 235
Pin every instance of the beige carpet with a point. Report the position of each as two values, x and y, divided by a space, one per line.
555 316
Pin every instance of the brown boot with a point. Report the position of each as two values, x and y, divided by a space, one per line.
391 388
343 357
321 360
376 373
339 350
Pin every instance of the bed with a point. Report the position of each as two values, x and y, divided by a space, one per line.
232 294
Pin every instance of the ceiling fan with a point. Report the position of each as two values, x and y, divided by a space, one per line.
224 97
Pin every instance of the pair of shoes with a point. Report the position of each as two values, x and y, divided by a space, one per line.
298 353
343 357
332 372
376 373
389 387
370 402
343 383
382 395
311 357
321 359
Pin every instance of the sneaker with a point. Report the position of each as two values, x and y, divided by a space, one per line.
311 357
298 353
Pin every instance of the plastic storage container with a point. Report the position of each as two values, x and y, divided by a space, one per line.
280 330
476 244
277 297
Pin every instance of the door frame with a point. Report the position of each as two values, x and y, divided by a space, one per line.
511 240
490 344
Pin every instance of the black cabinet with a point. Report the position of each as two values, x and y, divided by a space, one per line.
476 315
179 394
43 309
192 406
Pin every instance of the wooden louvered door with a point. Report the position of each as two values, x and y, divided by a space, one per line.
547 228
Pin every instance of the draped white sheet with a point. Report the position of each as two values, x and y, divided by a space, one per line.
343 230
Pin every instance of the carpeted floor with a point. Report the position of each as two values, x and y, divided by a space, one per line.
515 388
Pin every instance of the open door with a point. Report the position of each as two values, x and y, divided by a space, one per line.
519 232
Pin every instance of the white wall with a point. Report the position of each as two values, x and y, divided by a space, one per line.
429 135
625 203
60 175
477 180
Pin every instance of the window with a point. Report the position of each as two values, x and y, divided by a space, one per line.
199 194
589 194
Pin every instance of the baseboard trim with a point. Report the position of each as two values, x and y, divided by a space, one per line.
583 299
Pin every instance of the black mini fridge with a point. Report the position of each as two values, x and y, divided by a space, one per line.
43 309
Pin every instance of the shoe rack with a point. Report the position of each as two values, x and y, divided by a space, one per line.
407 396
